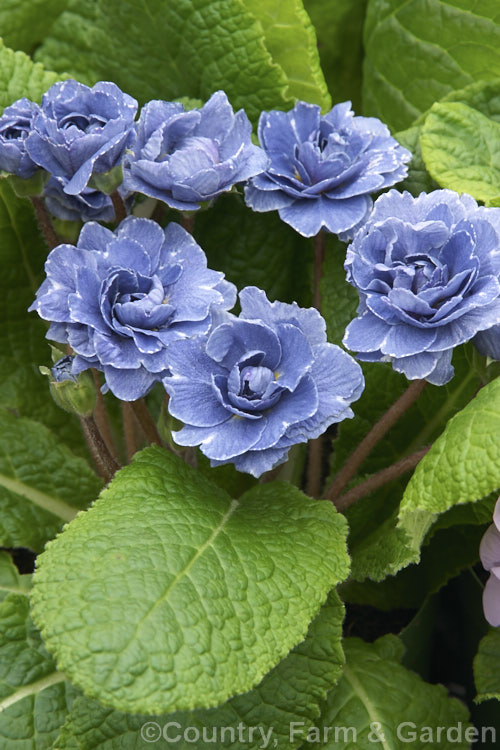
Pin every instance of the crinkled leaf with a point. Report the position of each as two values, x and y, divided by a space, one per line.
169 595
19 76
462 466
255 249
487 667
291 691
416 53
445 555
418 180
11 582
461 150
377 547
24 25
42 484
164 50
376 695
34 697
339 27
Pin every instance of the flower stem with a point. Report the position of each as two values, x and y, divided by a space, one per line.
187 221
158 212
119 206
105 463
129 430
101 416
369 442
379 479
146 422
45 222
319 256
314 466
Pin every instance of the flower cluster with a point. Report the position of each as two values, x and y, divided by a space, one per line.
489 553
427 270
259 383
79 134
120 298
323 169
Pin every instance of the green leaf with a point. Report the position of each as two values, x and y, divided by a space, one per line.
462 466
460 148
443 557
291 40
191 48
418 180
19 77
34 697
22 335
377 547
292 691
24 25
377 697
42 484
339 27
419 50
11 582
200 604
487 667
255 249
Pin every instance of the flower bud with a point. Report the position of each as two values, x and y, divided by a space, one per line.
73 393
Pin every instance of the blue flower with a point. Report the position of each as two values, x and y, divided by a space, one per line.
120 298
259 383
80 131
15 126
186 158
427 270
488 342
489 552
324 168
89 205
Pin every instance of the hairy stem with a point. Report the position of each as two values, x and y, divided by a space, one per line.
119 206
101 416
380 478
146 422
187 221
105 463
45 222
369 442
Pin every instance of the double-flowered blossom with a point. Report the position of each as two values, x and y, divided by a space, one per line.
120 298
77 132
259 383
489 552
187 158
323 168
427 270
15 126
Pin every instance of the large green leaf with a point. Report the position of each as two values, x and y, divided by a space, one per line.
11 582
24 25
169 595
462 466
42 484
292 691
377 546
34 697
22 335
378 702
339 27
487 667
255 249
262 54
461 150
19 76
419 50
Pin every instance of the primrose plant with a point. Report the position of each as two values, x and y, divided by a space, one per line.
235 428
